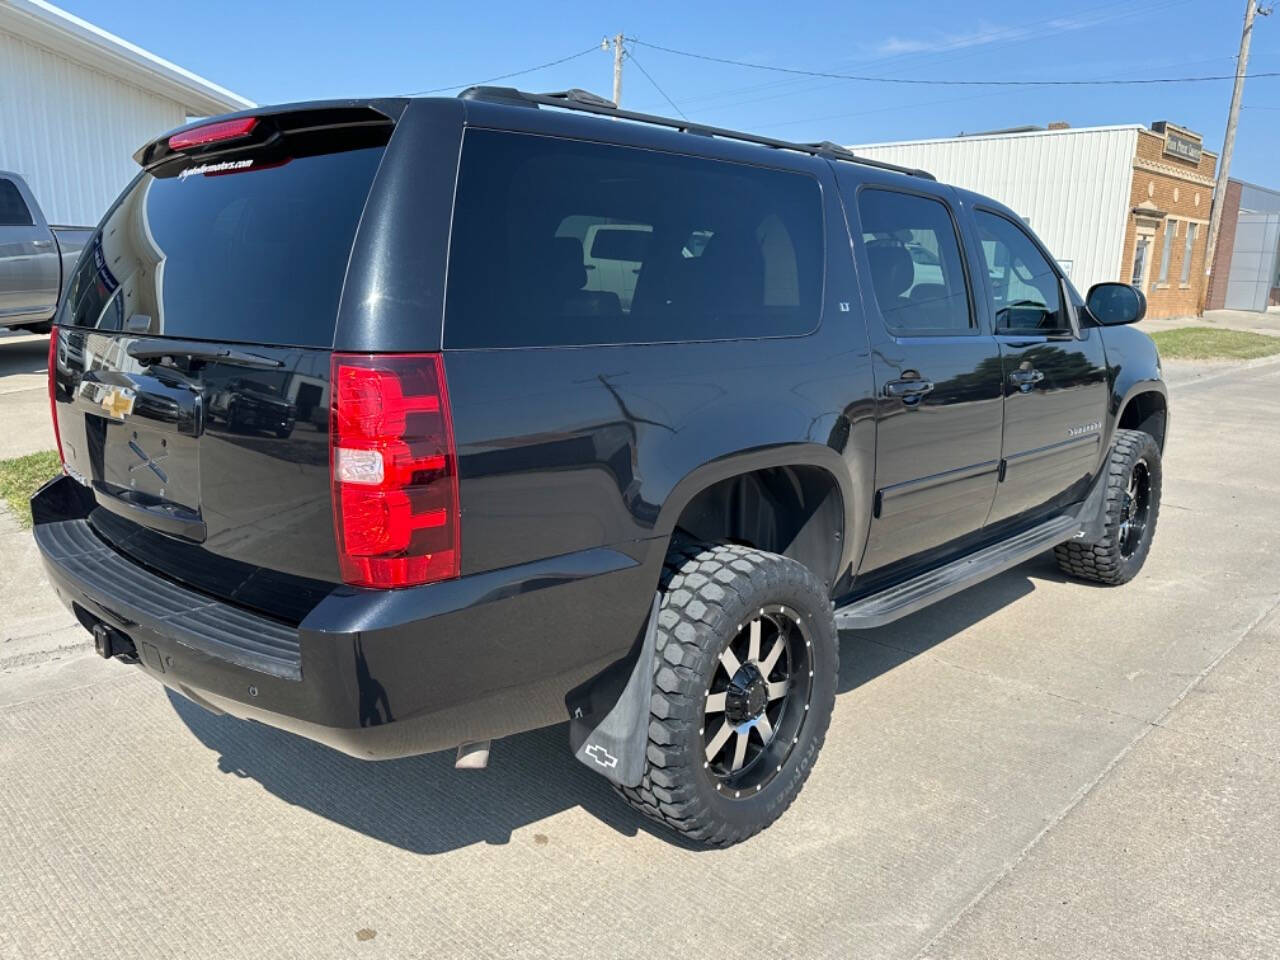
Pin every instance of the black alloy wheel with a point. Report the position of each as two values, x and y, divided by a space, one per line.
757 701
1135 509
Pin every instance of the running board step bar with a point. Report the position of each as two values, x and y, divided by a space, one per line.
918 592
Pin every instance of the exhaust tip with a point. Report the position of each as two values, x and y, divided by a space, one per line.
473 755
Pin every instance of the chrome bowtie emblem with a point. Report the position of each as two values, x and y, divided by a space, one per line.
117 402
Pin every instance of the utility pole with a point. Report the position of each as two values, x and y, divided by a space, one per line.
1228 143
618 53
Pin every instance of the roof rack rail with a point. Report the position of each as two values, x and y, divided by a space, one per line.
587 102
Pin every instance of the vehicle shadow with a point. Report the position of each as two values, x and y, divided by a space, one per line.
866 654
423 805
22 352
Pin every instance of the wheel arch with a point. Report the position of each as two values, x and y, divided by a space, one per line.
1139 397
795 500
1146 407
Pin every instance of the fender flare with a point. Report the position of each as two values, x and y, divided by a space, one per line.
855 502
1135 388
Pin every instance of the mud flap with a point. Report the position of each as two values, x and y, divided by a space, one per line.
609 714
1092 512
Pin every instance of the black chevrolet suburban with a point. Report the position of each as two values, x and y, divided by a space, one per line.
371 433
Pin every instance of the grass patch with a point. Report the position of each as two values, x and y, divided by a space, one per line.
1206 343
23 476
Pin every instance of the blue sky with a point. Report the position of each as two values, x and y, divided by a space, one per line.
286 50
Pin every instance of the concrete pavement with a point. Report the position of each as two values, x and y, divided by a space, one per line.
1036 767
24 394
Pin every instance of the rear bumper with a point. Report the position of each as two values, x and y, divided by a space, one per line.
375 674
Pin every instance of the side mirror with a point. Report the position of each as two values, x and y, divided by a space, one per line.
1115 304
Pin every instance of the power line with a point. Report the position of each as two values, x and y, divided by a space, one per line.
1064 20
928 103
507 76
632 57
913 81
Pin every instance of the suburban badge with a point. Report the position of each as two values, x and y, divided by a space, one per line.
1081 429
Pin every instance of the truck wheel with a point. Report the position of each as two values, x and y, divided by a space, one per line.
1132 505
743 687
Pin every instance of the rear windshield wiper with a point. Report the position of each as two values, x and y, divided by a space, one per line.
152 349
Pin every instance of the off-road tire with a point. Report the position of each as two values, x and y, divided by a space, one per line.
1105 560
708 592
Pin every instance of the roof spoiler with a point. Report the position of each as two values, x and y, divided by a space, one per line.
264 125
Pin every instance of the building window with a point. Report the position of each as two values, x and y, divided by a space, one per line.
1186 253
1140 260
1170 228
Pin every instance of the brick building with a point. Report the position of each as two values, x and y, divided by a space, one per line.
1166 233
1246 266
1118 202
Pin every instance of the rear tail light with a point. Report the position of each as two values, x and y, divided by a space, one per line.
213 133
395 471
53 390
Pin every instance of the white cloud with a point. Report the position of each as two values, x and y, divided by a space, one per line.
987 33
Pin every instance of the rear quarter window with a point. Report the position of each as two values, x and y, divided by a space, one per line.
562 242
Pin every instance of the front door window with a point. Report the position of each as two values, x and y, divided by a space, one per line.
1024 287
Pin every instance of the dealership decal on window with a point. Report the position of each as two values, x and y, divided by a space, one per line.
215 168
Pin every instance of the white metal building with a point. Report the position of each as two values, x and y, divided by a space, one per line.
76 102
1072 185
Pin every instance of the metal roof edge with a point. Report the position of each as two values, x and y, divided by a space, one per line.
1275 192
1107 128
51 26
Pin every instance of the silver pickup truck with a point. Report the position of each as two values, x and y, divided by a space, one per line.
36 259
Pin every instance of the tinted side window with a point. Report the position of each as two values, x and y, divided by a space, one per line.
1023 285
13 209
917 271
560 242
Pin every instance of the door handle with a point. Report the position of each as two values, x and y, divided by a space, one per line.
911 390
42 243
1024 380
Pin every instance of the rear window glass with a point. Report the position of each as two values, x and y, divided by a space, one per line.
248 249
559 242
625 242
